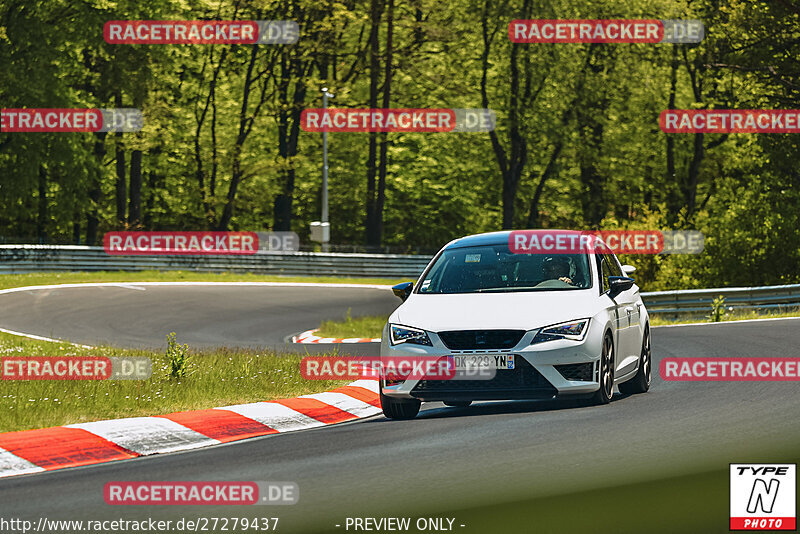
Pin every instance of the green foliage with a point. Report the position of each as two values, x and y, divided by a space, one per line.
222 377
177 358
718 310
591 110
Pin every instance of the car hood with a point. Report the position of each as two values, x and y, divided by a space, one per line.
513 311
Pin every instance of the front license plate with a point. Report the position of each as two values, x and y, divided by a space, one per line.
467 362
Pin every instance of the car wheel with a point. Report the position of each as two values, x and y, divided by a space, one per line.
606 391
641 382
457 404
399 408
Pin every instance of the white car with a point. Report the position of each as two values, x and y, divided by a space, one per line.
546 325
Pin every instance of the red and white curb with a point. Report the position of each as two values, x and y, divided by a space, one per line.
309 337
48 449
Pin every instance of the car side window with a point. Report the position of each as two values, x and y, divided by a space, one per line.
603 270
613 266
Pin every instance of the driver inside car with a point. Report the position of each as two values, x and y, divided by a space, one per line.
557 268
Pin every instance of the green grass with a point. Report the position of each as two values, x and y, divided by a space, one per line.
216 378
46 278
367 326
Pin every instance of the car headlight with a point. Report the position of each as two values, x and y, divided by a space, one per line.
405 334
575 330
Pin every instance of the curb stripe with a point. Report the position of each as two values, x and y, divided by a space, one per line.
309 337
275 415
147 435
366 383
221 425
47 449
318 410
11 464
345 403
361 394
58 447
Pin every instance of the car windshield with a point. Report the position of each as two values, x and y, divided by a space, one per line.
494 268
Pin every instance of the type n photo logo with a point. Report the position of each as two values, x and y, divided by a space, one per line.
763 497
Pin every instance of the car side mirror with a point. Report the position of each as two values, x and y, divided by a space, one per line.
619 284
403 290
628 269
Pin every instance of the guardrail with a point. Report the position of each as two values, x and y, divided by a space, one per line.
697 301
37 258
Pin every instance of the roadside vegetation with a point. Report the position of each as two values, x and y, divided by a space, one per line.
577 142
367 326
183 379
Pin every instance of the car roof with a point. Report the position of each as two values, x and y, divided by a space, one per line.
493 238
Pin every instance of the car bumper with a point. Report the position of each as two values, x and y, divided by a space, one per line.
545 370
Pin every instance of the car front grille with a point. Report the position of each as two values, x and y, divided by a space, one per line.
577 371
481 339
524 381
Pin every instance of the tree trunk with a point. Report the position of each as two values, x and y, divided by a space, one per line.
590 116
135 205
673 186
371 236
534 216
147 219
387 98
94 189
511 163
245 127
121 190
41 219
76 227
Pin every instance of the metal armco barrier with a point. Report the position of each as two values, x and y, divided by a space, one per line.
37 258
698 301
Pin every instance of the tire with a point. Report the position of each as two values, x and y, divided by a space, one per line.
606 391
641 382
457 404
399 408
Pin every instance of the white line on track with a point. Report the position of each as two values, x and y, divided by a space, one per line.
141 286
156 284
42 338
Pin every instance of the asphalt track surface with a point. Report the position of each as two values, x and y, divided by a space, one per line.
456 458
141 316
